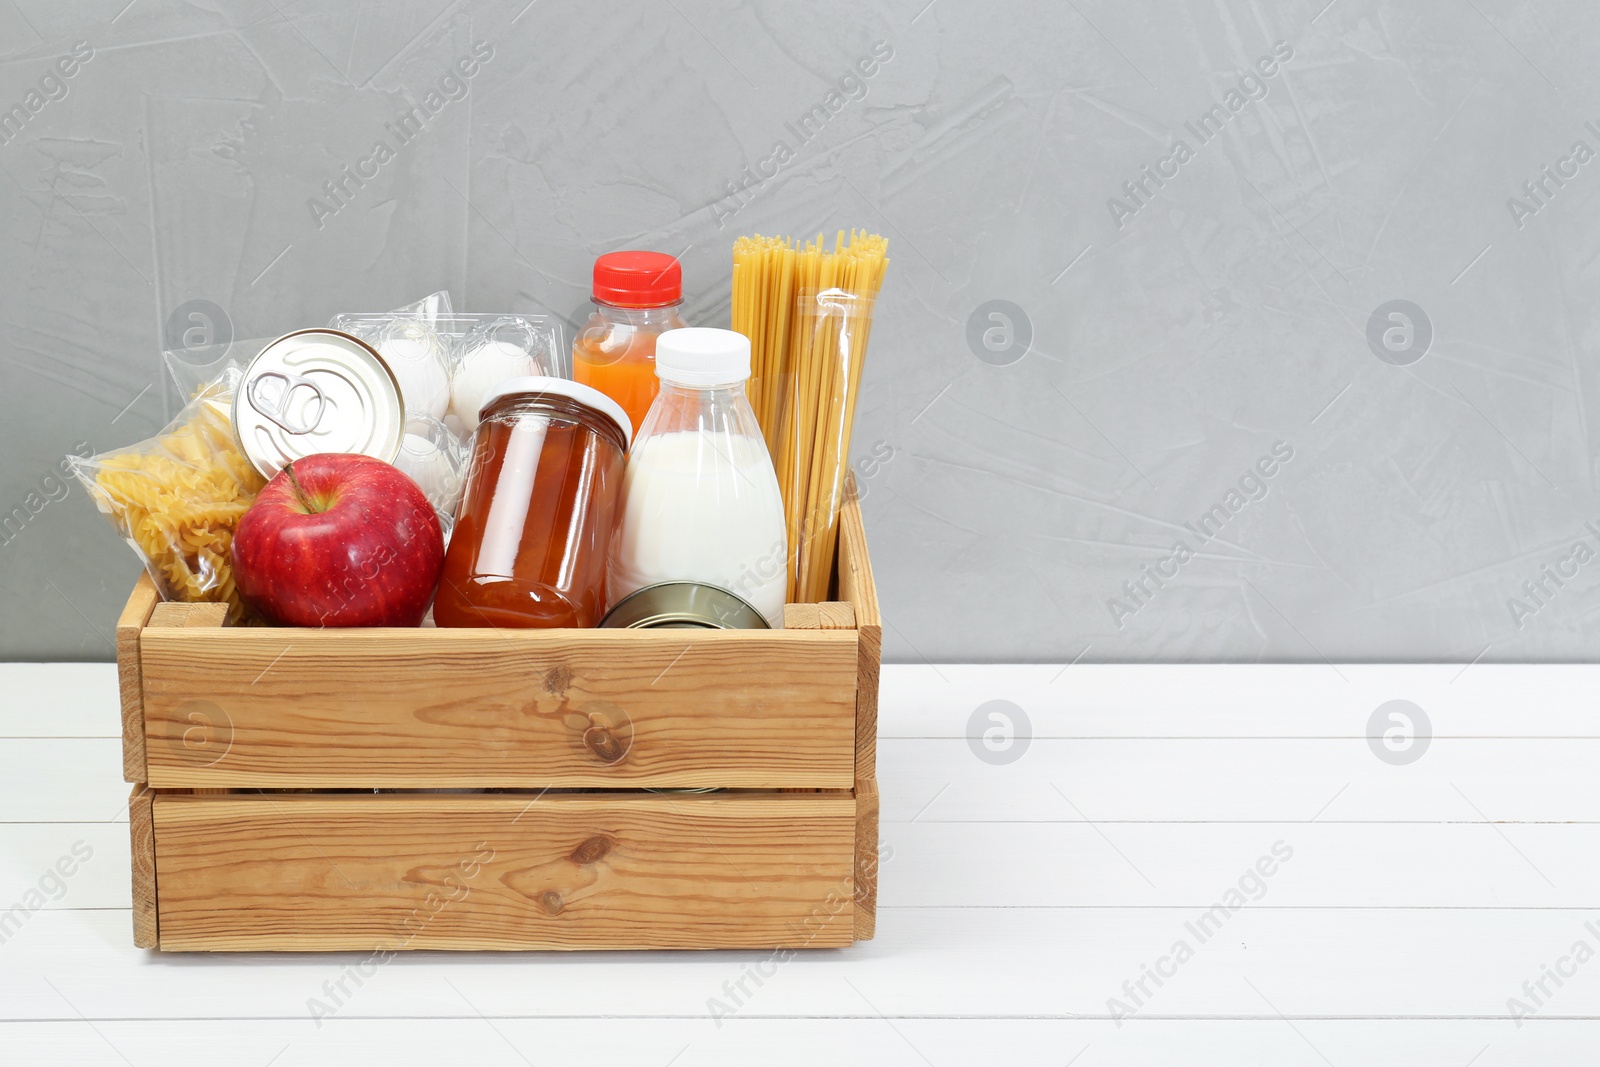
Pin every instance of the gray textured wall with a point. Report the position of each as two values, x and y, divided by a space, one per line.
1383 480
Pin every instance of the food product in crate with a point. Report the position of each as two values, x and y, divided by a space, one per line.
317 391
436 460
178 497
636 298
683 606
479 351
420 360
700 499
338 539
539 510
411 341
494 352
808 314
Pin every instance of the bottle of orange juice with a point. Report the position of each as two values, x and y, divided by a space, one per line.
636 298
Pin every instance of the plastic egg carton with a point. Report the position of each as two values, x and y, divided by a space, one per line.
446 363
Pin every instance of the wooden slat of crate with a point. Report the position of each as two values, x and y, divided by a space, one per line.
129 679
142 848
857 587
867 861
571 871
283 708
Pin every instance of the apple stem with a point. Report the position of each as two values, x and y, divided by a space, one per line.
299 491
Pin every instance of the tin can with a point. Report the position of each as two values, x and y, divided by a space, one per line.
684 606
315 391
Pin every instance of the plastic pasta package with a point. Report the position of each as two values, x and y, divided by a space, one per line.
808 314
177 498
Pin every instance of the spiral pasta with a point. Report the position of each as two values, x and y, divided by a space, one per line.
178 497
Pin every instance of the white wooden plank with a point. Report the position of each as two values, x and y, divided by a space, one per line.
77 779
1164 864
60 700
1241 779
1242 700
64 865
959 962
740 1042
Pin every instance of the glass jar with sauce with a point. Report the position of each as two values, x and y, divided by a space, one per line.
636 297
540 507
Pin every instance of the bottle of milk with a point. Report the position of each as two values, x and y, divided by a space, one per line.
700 498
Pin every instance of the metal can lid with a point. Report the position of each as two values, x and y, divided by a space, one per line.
683 606
316 391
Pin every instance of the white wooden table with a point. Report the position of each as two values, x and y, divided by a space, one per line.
1410 899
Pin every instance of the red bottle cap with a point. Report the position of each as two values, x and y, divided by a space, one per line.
638 279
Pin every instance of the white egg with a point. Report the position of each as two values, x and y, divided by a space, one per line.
419 365
482 368
436 471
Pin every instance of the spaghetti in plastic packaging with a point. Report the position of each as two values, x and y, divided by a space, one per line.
808 314
176 498
834 325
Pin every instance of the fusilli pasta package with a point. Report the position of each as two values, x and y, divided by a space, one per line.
177 497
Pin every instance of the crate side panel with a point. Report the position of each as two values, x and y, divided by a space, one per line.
613 871
281 708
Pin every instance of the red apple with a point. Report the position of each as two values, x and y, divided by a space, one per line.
339 540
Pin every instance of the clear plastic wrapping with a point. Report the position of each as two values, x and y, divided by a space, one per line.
447 362
817 410
473 352
177 498
808 314
491 349
412 343
436 459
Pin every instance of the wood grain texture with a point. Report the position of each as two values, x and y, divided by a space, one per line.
130 684
868 859
283 708
857 587
558 871
172 616
836 615
142 845
802 617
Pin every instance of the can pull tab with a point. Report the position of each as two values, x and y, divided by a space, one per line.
274 404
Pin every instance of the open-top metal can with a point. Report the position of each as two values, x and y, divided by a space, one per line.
315 391
683 606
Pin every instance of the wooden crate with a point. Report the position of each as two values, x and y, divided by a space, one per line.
386 789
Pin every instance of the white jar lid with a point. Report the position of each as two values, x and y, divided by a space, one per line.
699 357
583 394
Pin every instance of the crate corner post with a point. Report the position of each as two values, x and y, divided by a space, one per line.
142 846
130 678
868 857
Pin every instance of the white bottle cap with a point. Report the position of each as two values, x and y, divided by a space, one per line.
700 357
